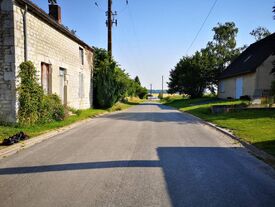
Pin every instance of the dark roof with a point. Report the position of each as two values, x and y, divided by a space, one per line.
40 13
251 58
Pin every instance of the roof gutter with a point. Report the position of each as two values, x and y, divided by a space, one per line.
25 33
45 17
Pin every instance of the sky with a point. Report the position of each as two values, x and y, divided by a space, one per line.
152 35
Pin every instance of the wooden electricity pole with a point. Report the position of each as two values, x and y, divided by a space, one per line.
110 25
110 21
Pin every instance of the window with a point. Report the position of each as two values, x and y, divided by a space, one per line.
81 85
45 77
221 87
62 85
81 55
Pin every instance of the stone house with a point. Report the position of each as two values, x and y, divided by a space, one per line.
63 61
251 73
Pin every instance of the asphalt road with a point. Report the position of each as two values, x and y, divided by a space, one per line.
150 155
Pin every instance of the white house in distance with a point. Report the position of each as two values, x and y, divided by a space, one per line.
251 73
63 61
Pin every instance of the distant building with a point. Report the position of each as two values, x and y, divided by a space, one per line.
251 73
63 61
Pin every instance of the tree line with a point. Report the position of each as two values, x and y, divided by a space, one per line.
194 74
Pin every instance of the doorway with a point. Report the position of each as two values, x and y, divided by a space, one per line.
239 87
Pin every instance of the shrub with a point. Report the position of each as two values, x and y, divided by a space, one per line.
30 95
34 106
52 109
245 98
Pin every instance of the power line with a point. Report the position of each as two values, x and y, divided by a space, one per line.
209 13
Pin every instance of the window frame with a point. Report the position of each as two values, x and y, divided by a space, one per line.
48 75
221 87
81 55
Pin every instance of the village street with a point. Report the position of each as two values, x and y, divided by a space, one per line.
149 155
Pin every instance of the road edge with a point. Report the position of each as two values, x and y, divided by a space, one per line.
13 149
260 154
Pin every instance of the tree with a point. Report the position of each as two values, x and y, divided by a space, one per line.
222 50
111 83
192 75
260 33
188 77
137 80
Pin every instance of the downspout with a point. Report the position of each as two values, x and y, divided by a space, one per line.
25 33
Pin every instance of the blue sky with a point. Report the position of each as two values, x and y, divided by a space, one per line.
152 35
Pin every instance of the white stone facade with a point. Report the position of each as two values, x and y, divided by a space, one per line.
46 44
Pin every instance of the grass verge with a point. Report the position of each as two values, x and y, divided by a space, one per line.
6 131
254 126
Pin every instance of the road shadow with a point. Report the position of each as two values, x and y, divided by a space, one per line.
267 146
195 176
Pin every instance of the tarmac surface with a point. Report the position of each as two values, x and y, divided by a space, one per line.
149 155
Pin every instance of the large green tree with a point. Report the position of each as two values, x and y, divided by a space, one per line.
192 75
260 33
188 77
223 46
111 83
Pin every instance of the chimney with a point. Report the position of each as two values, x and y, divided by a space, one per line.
55 12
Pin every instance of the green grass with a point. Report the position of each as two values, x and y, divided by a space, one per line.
6 131
254 126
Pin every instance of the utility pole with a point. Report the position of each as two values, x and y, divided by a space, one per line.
111 20
151 89
109 23
162 86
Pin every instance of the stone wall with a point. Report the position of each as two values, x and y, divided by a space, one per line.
48 45
7 63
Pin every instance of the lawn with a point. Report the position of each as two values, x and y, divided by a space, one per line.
254 126
6 131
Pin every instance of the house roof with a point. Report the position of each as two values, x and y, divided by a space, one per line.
251 58
40 13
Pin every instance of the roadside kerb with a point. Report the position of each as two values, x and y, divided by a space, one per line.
10 150
252 149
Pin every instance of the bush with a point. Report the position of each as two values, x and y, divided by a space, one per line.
245 98
160 96
34 106
52 109
30 95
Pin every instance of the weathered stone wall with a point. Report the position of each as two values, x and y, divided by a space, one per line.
7 63
50 46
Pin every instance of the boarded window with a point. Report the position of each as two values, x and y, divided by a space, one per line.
81 55
45 77
62 89
81 85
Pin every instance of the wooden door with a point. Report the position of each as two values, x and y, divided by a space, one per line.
45 77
